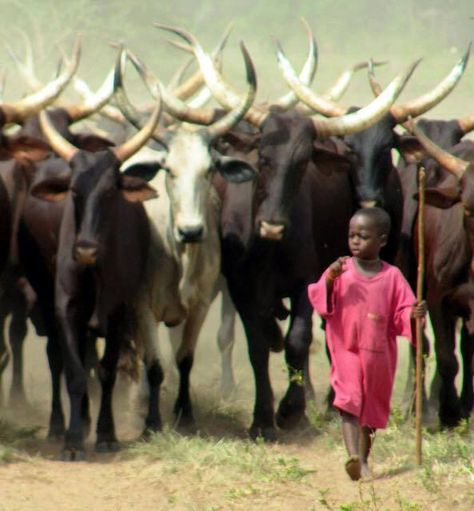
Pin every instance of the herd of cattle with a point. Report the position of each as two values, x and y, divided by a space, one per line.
106 235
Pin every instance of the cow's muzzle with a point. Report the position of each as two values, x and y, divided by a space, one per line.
271 231
193 234
85 252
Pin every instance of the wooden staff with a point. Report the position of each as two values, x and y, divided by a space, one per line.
419 321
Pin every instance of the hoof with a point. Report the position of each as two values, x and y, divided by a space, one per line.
70 454
107 446
185 426
290 413
267 434
148 433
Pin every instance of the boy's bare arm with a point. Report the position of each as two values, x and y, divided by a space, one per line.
334 271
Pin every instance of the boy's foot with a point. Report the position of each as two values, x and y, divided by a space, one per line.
353 468
365 472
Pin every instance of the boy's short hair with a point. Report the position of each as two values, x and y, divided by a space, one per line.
379 216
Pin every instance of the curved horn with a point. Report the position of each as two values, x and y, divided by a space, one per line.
307 73
130 113
60 145
366 116
93 103
422 104
194 82
19 110
305 94
174 106
451 163
234 116
374 84
87 95
140 138
467 123
221 91
26 68
336 92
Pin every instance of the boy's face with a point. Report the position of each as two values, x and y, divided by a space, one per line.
365 240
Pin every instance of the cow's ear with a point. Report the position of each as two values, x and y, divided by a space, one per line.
145 170
92 143
410 149
442 198
52 189
235 170
23 148
135 189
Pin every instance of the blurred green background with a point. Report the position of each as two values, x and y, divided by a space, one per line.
347 31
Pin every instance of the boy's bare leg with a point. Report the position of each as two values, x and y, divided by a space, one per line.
351 434
367 437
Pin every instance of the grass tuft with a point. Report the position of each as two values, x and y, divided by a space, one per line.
13 438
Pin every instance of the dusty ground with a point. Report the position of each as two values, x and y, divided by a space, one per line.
312 476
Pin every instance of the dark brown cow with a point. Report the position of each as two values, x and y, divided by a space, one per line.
449 239
445 134
18 154
37 246
102 248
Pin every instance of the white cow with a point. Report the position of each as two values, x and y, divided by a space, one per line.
184 260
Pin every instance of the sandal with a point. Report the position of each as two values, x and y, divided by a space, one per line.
353 467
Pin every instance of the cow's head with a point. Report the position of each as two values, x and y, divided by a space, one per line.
189 162
457 189
95 187
188 156
370 148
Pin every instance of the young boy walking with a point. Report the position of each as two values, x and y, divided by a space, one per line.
366 303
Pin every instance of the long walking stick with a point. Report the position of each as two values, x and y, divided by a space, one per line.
419 321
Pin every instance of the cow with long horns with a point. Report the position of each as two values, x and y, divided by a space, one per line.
20 153
102 250
449 240
184 262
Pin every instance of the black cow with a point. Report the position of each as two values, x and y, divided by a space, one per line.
102 248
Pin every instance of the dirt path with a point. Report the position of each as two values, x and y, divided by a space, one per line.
39 482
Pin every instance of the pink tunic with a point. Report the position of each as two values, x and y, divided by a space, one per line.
362 321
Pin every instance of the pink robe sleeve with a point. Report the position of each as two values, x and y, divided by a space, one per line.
318 296
404 301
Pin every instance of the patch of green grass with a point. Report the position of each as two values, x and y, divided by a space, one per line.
242 459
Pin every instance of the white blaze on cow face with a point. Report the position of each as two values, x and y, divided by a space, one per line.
188 166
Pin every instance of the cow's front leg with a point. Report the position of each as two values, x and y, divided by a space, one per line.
292 406
73 337
106 437
183 409
148 338
263 425
446 364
